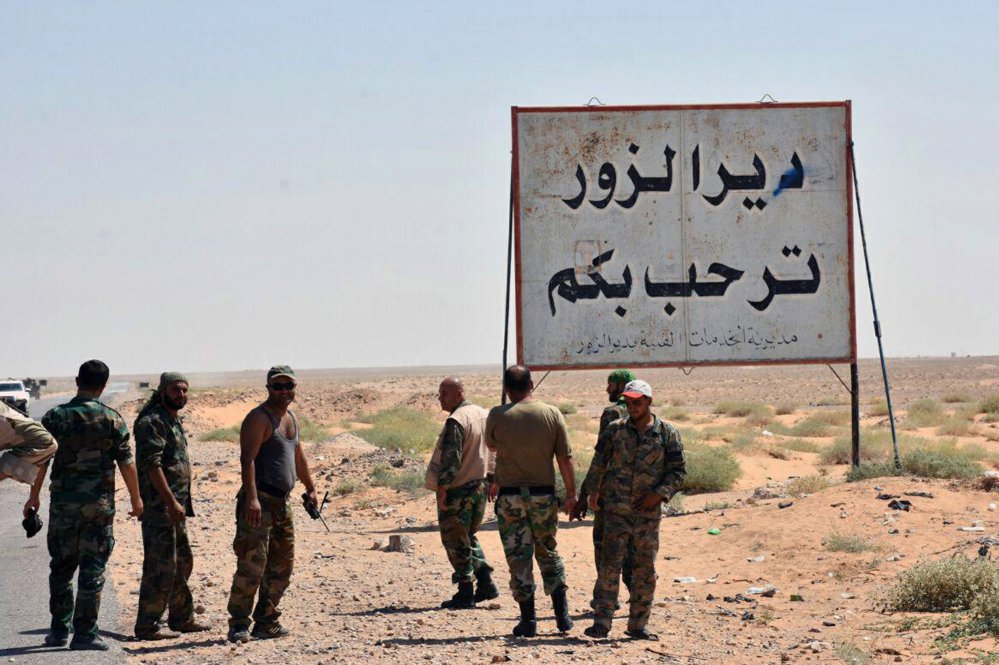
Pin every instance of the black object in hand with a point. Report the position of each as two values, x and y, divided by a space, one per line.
32 523
312 509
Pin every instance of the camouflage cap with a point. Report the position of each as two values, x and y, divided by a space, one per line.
621 376
280 370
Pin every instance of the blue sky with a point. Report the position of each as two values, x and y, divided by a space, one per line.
219 186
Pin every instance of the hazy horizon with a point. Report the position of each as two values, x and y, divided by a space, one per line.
214 186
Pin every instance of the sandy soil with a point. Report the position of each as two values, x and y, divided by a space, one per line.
349 603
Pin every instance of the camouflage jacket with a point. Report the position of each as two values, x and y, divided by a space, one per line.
613 412
630 463
92 437
160 442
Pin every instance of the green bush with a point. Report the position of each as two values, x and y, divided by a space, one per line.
838 542
940 461
402 481
709 469
222 434
990 405
674 414
742 409
878 409
403 428
944 586
800 445
812 426
955 426
807 485
345 487
310 431
924 413
566 408
868 470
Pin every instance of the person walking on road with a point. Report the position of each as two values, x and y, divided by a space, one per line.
640 466
526 434
165 484
271 458
92 439
459 466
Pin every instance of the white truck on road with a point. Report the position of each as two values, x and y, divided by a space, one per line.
14 393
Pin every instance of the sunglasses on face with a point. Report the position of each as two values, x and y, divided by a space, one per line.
282 386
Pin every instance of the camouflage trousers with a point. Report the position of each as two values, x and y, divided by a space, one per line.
627 567
459 523
166 566
527 527
265 555
75 542
622 533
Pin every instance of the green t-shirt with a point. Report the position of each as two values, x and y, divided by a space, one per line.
526 436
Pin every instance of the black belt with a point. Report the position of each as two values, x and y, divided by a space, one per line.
535 490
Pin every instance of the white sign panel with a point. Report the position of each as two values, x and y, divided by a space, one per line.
657 236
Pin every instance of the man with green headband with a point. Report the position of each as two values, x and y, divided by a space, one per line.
618 409
165 484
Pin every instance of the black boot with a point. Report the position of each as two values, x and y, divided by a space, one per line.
561 605
463 600
528 626
485 589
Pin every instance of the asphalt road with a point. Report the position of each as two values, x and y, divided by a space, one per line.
24 587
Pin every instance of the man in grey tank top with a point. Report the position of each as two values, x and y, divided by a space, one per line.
271 458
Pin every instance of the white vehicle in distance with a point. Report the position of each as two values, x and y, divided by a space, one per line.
13 392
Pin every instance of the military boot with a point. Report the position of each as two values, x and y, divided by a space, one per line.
485 589
561 606
528 626
464 599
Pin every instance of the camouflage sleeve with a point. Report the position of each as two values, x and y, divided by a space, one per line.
50 421
674 468
606 418
150 443
598 466
450 452
121 452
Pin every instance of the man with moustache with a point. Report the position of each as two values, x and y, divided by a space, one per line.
165 484
271 458
640 466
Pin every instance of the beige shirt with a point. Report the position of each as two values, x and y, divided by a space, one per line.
526 436
25 445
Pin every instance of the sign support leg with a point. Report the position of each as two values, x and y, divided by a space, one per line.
855 414
509 266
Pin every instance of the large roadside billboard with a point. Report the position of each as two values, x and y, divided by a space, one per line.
683 235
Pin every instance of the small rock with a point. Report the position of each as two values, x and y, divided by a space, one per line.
378 545
404 544
199 609
797 598
493 606
894 557
684 580
843 514
501 659
785 504
828 624
767 591
975 529
992 507
756 559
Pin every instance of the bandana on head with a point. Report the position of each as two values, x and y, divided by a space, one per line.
621 376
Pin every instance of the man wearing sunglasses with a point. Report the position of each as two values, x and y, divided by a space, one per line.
640 465
271 458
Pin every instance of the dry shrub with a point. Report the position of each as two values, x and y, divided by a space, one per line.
800 445
990 405
878 408
852 543
944 586
799 487
742 409
956 398
786 408
924 413
709 469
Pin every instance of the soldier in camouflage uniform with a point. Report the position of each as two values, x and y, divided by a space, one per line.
92 438
27 448
458 467
271 458
165 485
617 410
639 467
526 434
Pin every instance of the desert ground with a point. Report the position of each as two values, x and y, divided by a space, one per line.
824 551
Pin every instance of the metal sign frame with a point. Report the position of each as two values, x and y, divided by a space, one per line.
848 204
